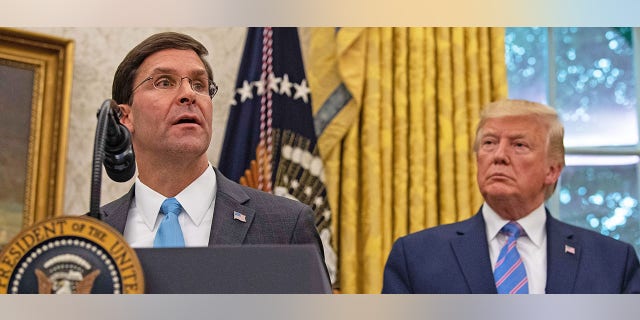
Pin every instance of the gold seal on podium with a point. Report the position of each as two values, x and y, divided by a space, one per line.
70 255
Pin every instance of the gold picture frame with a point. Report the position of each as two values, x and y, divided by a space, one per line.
36 72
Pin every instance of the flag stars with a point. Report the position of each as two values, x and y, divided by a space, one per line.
285 86
273 82
245 92
295 184
279 85
318 201
261 86
302 91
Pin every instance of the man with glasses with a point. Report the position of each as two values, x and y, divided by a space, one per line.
164 88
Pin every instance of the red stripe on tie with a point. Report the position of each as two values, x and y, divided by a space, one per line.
509 272
519 286
511 246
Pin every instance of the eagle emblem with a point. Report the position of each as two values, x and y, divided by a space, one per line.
66 273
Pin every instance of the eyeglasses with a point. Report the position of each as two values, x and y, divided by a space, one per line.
171 82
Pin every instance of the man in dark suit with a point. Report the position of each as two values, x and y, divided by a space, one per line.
513 244
164 88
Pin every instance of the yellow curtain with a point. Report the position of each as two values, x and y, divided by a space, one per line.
396 110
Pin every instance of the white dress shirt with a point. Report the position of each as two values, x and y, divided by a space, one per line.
195 220
532 246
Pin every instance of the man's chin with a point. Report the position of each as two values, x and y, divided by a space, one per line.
188 148
498 192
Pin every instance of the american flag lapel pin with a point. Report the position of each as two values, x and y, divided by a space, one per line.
569 249
239 216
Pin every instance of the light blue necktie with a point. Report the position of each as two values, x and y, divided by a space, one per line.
510 274
169 232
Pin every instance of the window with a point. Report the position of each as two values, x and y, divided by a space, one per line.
589 76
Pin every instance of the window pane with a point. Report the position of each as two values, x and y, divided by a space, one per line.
527 63
600 193
595 86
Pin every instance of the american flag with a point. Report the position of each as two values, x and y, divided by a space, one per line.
569 249
270 139
239 216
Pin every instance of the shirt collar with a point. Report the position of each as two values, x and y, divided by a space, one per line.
533 224
195 199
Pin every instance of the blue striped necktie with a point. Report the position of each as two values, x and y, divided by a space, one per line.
510 274
169 232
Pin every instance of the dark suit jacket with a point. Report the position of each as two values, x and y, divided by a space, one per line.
454 258
270 219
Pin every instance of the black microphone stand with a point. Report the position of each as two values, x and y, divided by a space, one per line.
98 157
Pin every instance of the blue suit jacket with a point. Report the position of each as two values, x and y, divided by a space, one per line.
454 258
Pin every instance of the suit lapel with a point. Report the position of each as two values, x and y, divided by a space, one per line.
116 212
563 254
230 198
472 251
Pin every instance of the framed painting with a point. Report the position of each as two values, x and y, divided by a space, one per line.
35 93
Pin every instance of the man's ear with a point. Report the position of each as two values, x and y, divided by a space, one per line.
555 169
127 117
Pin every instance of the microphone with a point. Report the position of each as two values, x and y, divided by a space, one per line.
119 159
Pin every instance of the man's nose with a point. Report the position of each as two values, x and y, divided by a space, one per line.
185 91
500 154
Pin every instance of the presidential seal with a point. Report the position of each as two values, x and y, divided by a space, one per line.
70 255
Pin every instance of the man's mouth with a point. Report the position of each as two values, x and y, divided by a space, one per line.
184 120
499 176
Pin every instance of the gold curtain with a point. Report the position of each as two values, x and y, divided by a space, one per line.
398 151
